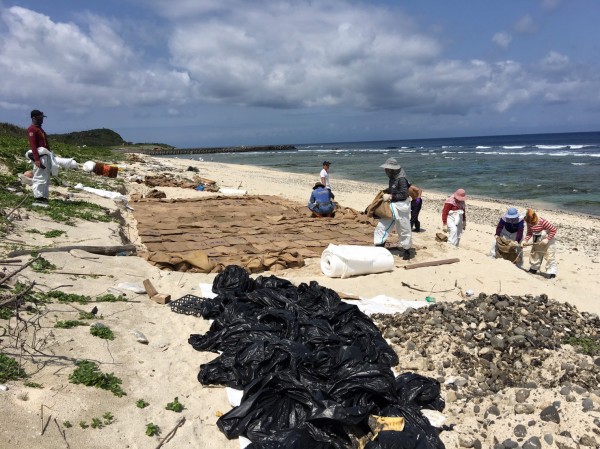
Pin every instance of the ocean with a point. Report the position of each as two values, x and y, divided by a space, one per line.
560 171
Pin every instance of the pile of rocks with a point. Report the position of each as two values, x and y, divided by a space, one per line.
502 361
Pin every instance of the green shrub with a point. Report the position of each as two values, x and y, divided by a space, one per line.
10 369
152 429
174 406
102 332
140 403
69 324
88 374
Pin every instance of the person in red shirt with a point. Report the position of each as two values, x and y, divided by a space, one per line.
454 216
542 233
38 142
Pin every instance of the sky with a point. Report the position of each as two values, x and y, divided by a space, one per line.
204 73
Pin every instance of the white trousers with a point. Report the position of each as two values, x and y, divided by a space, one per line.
455 226
41 178
401 220
539 252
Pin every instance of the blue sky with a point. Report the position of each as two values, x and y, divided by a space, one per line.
249 72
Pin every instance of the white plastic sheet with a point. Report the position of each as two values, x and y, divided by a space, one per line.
348 260
226 191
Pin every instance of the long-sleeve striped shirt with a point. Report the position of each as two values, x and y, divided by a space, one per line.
541 225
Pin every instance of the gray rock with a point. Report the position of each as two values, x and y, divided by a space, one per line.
465 441
510 444
588 440
492 410
550 414
524 409
522 395
532 443
587 405
548 438
565 390
520 431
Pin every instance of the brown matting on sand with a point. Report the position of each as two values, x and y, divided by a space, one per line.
258 232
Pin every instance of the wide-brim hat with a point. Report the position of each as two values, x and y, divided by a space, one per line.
392 164
460 195
512 212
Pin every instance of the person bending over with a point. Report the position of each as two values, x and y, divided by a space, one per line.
321 201
454 216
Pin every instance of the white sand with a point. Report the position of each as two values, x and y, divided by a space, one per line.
167 367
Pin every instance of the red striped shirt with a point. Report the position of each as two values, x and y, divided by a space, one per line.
541 225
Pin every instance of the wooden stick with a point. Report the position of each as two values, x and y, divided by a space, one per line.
433 263
426 291
10 261
171 433
103 250
79 274
62 433
18 205
20 269
16 297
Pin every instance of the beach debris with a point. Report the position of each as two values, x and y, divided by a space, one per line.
172 432
469 292
103 250
135 288
140 338
3 387
432 263
155 193
160 298
441 237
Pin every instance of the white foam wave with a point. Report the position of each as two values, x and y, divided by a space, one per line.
482 147
580 163
513 147
551 147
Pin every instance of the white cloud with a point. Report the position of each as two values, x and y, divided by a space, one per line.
550 5
555 61
525 25
502 39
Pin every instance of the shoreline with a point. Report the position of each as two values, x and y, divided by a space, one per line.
520 203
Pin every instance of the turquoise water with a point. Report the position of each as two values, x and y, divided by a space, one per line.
562 170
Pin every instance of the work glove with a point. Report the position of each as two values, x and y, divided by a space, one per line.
387 197
544 242
445 228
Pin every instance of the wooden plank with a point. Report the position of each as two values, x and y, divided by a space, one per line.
432 263
104 250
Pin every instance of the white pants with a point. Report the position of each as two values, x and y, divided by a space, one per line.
455 226
401 214
41 178
539 252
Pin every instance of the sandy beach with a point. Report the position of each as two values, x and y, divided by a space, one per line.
167 367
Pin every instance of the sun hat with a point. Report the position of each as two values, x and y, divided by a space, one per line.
37 113
512 212
460 195
392 164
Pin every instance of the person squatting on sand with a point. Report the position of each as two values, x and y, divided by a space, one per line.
542 234
321 201
454 216
509 234
40 156
397 195
415 207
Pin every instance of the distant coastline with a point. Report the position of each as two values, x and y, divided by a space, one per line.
181 151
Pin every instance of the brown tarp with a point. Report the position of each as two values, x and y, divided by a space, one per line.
259 232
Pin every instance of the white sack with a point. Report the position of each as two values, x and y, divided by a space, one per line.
89 166
66 162
103 193
348 260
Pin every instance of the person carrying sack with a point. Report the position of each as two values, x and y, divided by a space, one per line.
509 234
541 233
454 218
399 202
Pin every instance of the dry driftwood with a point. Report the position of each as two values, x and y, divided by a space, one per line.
104 250
20 269
432 263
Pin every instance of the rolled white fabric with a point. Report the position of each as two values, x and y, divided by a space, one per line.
348 260
66 162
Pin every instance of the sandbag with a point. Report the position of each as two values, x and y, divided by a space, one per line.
379 208
349 260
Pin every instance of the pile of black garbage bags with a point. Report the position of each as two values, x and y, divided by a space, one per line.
313 368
